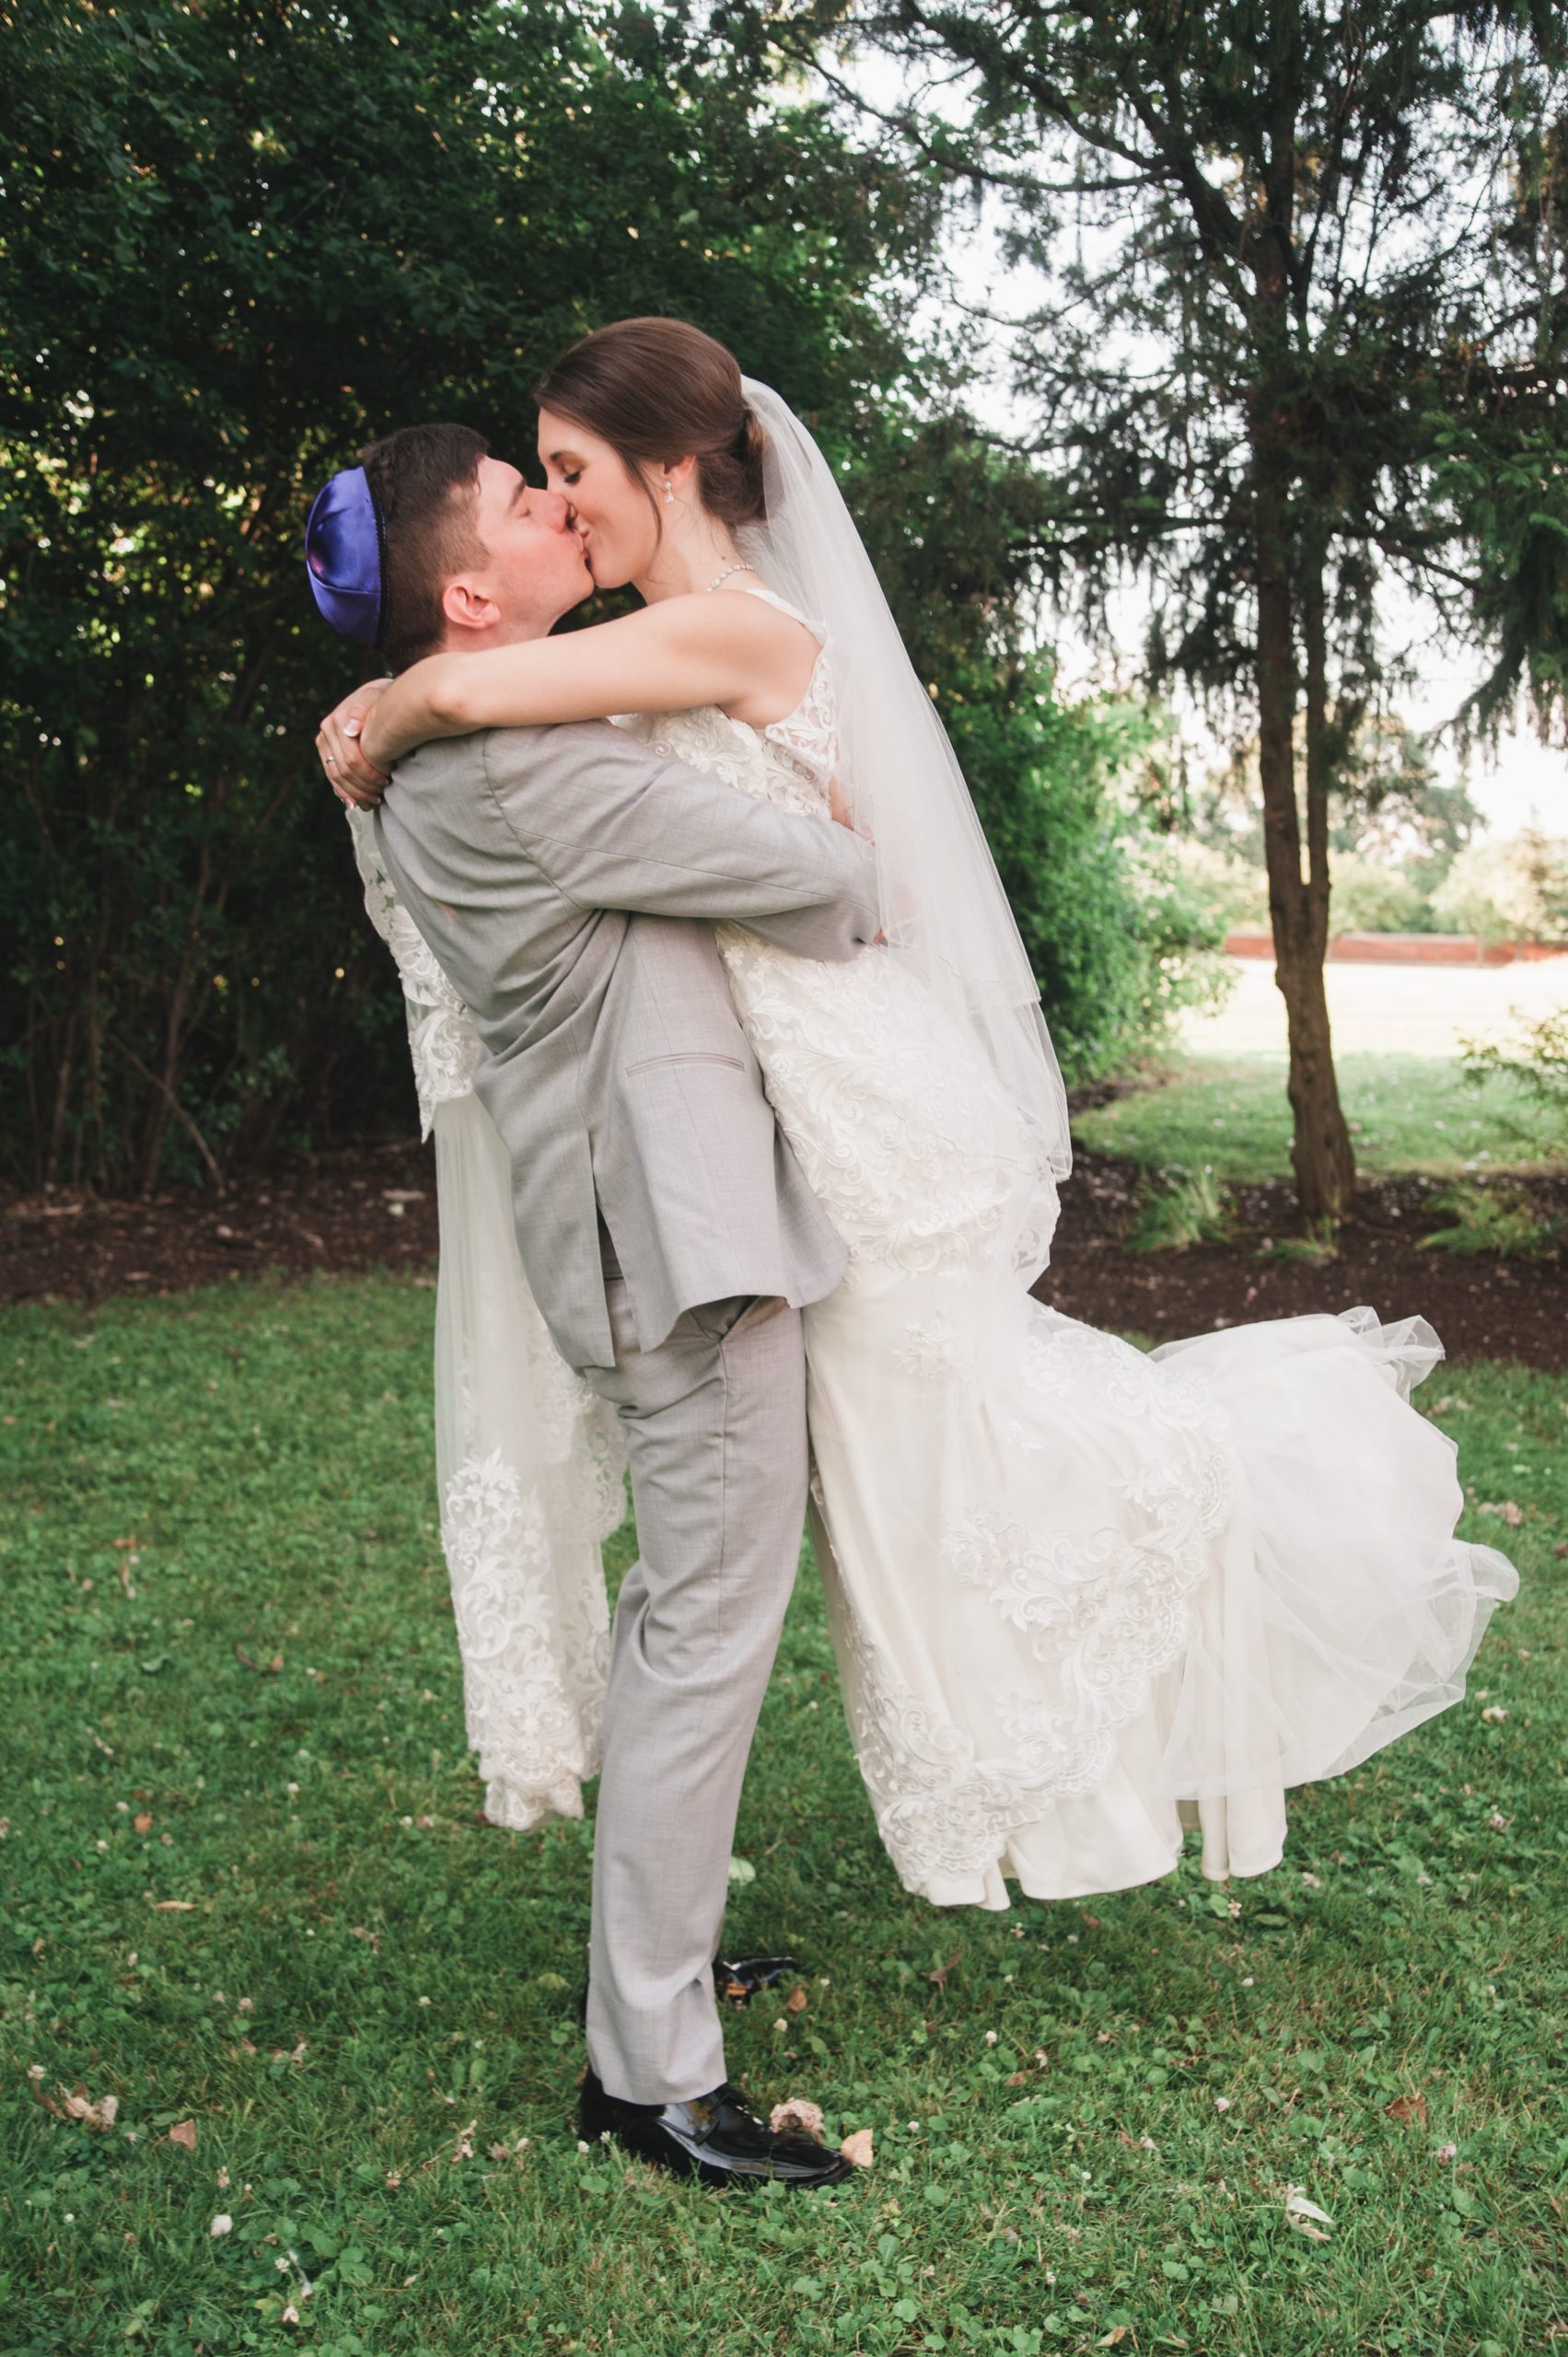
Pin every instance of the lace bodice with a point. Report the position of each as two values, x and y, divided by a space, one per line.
905 1141
789 761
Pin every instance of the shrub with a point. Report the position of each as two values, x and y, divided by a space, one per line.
1369 896
1536 1058
1504 1219
1513 890
1182 1208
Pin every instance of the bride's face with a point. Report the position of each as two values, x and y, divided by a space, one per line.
616 514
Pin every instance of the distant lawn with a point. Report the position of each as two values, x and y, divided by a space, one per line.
1407 1113
244 1888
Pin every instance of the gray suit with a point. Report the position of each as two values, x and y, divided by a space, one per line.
556 873
561 876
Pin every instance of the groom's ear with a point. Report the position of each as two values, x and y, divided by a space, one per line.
467 607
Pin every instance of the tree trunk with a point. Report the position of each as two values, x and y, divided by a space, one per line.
1320 1147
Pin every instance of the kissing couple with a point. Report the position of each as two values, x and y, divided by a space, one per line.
748 1138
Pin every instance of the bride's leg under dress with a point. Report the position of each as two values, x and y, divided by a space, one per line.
1085 1598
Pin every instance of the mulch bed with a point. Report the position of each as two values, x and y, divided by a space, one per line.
1484 1308
375 1208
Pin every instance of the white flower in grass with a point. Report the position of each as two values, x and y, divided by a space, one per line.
222 2225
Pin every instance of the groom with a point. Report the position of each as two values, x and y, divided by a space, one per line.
567 879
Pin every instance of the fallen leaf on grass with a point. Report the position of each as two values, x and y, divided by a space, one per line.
174 1906
143 1822
78 2105
1408 2109
265 1669
939 1976
796 2116
1506 1512
1302 2212
796 2003
184 2133
1113 2339
857 2148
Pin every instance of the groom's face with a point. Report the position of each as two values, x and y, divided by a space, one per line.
534 568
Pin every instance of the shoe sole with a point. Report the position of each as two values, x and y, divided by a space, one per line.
687 2167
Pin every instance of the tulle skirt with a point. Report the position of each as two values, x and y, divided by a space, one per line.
1085 1598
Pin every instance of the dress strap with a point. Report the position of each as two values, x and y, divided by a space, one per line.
760 589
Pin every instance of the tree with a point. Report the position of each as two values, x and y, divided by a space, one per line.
1305 331
239 239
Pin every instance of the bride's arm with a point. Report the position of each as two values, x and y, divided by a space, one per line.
683 651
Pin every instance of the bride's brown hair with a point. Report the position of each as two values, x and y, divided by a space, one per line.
656 389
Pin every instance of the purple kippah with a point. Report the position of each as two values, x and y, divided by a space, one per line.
346 559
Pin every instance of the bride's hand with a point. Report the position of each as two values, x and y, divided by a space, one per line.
357 784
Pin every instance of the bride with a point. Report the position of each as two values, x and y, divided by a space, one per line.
1083 1597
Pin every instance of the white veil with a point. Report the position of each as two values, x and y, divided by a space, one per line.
942 905
528 1462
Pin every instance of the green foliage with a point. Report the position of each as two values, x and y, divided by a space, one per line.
1181 1208
1492 1218
1511 890
1371 896
1296 267
1234 890
315 1816
1118 945
1536 1062
1319 1242
239 241
1368 895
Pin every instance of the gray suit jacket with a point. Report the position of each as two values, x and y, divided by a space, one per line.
562 877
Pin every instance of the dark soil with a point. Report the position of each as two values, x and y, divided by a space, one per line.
366 1209
375 1208
1482 1306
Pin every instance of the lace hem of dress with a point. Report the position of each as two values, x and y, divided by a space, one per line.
1106 1615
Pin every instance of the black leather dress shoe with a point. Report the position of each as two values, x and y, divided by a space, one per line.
717 2138
743 1976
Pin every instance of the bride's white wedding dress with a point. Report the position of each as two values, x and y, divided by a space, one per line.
1081 1596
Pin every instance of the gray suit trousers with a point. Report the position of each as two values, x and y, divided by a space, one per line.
715 1418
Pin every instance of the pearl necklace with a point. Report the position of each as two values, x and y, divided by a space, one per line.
724 576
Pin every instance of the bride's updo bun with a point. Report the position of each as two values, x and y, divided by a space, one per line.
659 390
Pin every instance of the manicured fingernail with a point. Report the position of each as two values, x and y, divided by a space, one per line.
350 727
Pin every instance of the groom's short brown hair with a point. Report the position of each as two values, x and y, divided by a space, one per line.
425 482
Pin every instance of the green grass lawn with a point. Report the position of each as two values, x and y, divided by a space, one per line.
1406 1112
364 2002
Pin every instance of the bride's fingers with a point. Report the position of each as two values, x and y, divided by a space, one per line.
353 779
350 756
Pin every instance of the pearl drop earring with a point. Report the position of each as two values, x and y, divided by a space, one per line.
669 494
